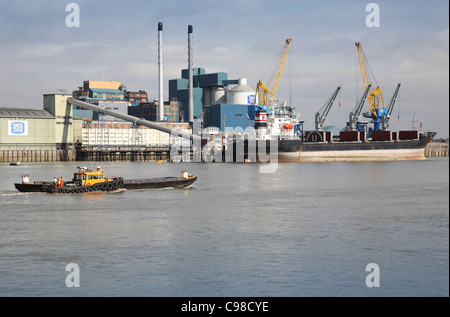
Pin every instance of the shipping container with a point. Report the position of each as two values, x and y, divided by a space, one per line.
315 136
351 136
381 136
408 135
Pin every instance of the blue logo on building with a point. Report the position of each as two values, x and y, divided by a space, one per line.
251 99
17 127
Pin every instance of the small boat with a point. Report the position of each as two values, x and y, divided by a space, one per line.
162 182
159 161
84 181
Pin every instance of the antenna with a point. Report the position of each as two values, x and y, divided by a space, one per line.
414 122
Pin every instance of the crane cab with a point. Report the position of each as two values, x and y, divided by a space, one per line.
86 177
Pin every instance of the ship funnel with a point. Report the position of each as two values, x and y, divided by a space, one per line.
160 73
191 77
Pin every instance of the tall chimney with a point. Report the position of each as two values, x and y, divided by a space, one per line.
160 73
191 77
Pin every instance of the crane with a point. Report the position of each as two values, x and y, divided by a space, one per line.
375 97
352 124
321 115
266 96
387 115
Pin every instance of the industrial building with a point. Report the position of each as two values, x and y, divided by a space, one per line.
49 134
150 111
215 103
124 135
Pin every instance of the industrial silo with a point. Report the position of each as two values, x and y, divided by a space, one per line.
218 95
242 94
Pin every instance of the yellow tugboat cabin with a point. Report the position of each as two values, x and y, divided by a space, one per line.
86 177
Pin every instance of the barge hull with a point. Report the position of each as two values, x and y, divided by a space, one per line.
155 183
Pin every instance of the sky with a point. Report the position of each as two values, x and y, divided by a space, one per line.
117 41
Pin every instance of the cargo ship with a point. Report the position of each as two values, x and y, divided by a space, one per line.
356 142
276 121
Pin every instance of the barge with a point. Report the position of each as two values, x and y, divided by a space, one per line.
163 182
87 181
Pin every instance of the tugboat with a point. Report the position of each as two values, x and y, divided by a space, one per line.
84 181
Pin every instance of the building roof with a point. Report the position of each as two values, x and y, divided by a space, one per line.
25 113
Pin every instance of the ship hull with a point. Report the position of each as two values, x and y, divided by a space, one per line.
352 155
295 150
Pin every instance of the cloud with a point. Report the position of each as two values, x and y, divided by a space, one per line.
242 37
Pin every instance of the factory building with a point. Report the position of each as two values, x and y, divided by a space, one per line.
111 95
49 134
205 86
150 111
125 135
215 103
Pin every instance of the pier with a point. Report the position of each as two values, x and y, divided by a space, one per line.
122 154
436 149
7 156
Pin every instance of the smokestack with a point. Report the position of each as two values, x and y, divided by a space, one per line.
191 77
160 73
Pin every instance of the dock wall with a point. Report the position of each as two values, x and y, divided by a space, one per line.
436 149
7 156
133 155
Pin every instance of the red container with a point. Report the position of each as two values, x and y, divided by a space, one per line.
349 136
328 136
408 135
381 136
315 136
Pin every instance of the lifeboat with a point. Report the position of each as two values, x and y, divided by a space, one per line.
288 126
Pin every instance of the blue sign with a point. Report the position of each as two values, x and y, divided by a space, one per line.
18 127
251 99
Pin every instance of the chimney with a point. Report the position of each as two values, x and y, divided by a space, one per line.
160 73
191 77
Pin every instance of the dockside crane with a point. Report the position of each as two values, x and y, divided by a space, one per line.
375 97
385 118
322 114
265 95
352 124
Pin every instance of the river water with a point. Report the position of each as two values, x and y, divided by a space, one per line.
308 229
